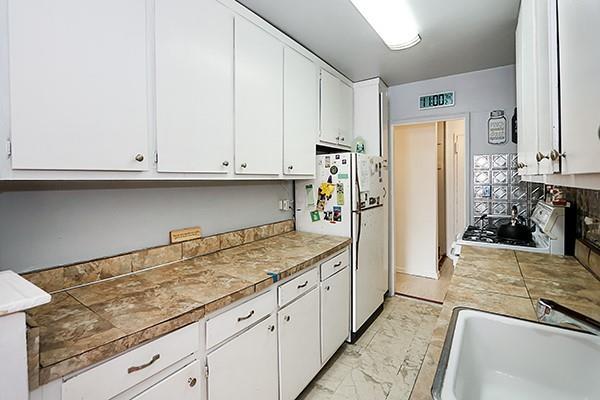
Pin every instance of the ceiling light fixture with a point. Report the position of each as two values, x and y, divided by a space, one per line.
392 20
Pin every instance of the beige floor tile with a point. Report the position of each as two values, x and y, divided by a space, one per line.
425 288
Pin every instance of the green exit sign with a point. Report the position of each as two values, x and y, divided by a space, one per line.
436 100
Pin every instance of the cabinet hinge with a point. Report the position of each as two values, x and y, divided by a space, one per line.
8 148
156 158
206 370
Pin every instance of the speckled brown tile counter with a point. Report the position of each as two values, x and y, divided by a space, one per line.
510 283
85 325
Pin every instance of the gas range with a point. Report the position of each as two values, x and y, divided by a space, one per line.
488 236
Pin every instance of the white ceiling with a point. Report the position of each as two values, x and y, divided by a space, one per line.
457 36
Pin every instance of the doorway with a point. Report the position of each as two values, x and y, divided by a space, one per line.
429 207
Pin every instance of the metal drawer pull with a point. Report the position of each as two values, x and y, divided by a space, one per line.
271 328
327 288
286 318
240 319
131 370
303 285
192 382
337 264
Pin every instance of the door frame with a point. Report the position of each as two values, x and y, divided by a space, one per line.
422 120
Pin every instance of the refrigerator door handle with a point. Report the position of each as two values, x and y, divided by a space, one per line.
359 223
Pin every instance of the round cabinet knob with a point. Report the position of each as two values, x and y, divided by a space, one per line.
291 167
192 382
521 165
328 288
286 318
540 156
225 163
271 328
243 165
139 157
342 138
555 155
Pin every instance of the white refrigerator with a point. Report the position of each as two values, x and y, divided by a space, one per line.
349 197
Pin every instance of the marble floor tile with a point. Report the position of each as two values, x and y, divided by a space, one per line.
385 361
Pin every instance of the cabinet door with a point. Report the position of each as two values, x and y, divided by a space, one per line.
194 86
330 108
579 85
182 385
246 367
299 352
335 313
300 114
78 84
526 89
346 114
258 100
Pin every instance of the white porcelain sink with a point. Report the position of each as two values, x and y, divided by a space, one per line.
492 357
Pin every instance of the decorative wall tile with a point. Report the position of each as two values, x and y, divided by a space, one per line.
518 193
499 208
515 178
200 247
481 177
514 160
50 280
481 162
499 161
480 207
482 191
536 192
500 177
500 192
156 256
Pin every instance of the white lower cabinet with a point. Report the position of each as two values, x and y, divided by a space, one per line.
335 312
181 385
299 353
246 366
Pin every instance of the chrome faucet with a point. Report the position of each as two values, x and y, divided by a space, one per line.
553 313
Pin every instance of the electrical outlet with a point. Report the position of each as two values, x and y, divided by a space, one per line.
286 205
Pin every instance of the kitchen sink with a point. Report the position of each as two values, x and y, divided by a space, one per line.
488 356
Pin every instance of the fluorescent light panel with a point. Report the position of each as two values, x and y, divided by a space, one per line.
392 20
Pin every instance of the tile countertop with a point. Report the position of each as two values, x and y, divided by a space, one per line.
510 283
85 325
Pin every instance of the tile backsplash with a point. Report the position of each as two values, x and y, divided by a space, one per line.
587 203
497 186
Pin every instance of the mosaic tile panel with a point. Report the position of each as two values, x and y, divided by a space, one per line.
497 186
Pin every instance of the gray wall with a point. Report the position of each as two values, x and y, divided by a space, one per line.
477 93
54 225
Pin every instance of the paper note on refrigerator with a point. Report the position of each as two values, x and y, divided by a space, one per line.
310 195
364 175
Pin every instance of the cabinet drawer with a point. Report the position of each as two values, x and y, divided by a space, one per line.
294 288
238 318
125 371
182 385
334 264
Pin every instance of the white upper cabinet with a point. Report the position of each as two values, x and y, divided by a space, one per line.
78 84
346 114
336 110
300 114
258 100
526 89
194 86
579 85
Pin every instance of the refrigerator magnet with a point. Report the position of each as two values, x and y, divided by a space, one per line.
328 216
337 214
342 176
327 161
340 193
315 216
333 170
